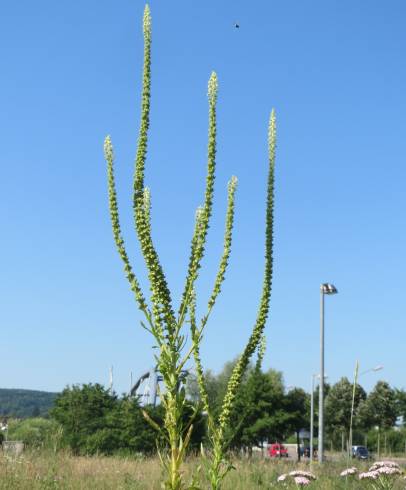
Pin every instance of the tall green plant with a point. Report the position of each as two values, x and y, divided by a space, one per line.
219 466
166 326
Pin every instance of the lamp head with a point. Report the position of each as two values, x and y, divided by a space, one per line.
328 288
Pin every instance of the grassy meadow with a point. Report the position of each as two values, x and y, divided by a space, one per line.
42 470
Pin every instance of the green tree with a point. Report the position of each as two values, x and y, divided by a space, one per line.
338 408
124 429
82 412
297 403
96 421
36 411
380 408
216 385
25 403
400 396
259 414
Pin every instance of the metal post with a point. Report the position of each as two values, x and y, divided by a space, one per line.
352 408
111 379
311 420
153 379
321 385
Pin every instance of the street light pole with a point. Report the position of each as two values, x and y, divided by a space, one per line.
324 289
312 419
312 416
321 384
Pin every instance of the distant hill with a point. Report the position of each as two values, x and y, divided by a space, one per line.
25 403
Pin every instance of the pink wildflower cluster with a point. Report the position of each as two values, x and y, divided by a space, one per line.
305 474
381 469
384 464
349 471
301 481
301 478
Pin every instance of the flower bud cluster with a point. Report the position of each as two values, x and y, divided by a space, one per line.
349 471
300 478
381 469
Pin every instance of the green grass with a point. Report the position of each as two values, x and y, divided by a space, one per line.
40 470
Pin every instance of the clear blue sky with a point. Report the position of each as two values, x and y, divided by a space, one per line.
334 71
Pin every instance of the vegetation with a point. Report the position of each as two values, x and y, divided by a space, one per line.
95 421
41 470
338 408
168 327
90 419
89 423
25 403
36 433
379 408
229 417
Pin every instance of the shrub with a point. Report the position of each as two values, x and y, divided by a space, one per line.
35 432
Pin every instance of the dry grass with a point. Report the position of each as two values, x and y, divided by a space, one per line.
41 471
34 471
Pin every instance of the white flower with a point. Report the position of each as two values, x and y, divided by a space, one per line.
212 87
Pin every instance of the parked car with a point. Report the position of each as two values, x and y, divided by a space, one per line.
305 451
360 452
277 451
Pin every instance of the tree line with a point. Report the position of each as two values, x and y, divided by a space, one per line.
90 419
25 403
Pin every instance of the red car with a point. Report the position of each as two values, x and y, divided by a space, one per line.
277 451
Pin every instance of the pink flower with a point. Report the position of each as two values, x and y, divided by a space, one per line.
387 464
301 481
369 474
387 470
349 471
305 474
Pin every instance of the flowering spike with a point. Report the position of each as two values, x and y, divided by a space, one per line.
115 220
261 352
147 21
198 244
257 332
160 294
228 235
212 88
147 208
